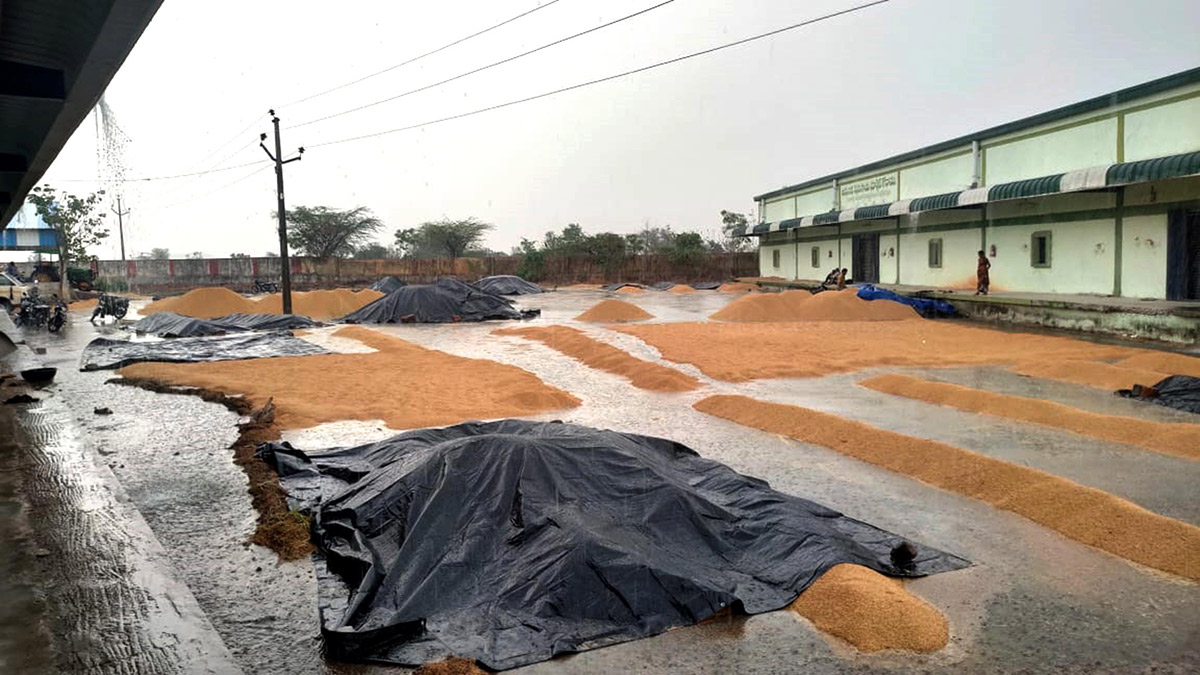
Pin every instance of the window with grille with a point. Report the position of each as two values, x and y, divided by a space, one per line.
1039 249
935 252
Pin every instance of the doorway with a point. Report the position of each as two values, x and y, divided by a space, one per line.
1183 255
865 258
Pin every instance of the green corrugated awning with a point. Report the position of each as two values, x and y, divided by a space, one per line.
943 201
1026 188
1158 168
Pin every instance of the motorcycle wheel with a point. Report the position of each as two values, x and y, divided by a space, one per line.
120 310
55 324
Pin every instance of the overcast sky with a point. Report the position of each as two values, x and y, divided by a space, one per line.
672 146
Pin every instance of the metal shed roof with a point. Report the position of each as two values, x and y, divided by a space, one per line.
1095 178
56 59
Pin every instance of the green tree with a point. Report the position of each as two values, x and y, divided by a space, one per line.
657 239
608 250
75 222
159 254
730 221
322 232
688 247
452 237
374 251
533 265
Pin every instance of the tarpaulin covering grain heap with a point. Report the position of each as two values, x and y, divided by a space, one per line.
1181 392
103 353
507 284
512 541
170 324
444 301
617 287
388 285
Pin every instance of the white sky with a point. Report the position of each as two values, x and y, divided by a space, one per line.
671 146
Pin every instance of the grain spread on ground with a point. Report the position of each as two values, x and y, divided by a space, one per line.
1104 376
581 287
1085 514
1170 438
596 354
208 303
614 311
681 289
872 612
800 305
736 287
403 384
450 666
737 352
1164 362
631 290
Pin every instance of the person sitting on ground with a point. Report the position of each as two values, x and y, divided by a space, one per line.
831 278
841 280
981 275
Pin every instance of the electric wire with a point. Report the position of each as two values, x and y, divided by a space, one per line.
609 78
483 68
421 56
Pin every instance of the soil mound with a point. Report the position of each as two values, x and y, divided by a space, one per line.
614 311
871 611
572 342
1085 514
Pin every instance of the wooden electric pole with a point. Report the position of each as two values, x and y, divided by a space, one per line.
121 225
286 272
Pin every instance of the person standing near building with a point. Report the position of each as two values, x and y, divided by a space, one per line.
981 275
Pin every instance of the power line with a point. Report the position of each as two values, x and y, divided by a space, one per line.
483 68
608 78
421 56
152 178
255 172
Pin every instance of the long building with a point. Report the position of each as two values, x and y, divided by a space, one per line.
1100 197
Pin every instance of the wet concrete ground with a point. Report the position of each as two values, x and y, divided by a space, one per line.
1034 601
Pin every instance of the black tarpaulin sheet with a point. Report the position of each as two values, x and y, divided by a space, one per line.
617 287
170 324
512 541
444 301
707 285
388 285
663 286
104 354
507 284
1181 392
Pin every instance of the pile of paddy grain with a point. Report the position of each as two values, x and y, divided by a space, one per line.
614 311
320 305
631 290
204 303
737 287
799 305
871 611
681 288
208 303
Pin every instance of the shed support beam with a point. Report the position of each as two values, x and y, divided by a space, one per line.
21 79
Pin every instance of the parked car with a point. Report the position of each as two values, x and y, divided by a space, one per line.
12 290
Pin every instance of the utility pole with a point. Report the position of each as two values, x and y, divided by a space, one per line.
286 275
121 225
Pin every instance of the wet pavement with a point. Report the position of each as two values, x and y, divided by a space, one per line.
1033 601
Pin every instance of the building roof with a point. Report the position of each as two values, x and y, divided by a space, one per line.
1135 92
56 59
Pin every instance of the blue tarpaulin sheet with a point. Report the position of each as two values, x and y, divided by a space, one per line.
927 307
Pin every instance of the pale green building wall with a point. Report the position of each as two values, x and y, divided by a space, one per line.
1144 256
1069 149
1166 130
935 178
811 203
780 209
959 252
1081 257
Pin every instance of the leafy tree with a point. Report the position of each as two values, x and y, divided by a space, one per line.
239 255
160 254
729 222
452 237
270 254
196 255
75 222
687 249
533 265
657 239
374 251
322 232
608 250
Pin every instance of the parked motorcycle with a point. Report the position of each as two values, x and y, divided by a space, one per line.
110 305
264 286
59 318
32 312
